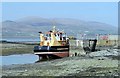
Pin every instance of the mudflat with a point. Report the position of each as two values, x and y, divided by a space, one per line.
16 48
69 66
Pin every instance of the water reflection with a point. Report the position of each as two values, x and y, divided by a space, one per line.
19 59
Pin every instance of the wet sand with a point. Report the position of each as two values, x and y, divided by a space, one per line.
69 66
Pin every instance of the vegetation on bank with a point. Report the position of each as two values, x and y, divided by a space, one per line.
16 48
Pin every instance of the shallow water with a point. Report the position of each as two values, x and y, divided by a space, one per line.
18 59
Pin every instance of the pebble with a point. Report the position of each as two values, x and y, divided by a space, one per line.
26 70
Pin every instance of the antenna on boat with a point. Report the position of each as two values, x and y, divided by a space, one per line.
54 27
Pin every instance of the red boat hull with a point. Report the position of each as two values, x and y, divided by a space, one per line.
57 54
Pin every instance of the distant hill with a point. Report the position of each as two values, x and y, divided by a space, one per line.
30 26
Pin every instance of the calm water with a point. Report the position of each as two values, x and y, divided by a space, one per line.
20 39
22 58
18 59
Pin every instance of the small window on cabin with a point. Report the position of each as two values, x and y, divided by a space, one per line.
55 34
45 38
58 34
47 35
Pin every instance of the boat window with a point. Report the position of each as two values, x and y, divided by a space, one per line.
45 38
60 36
47 35
55 34
64 36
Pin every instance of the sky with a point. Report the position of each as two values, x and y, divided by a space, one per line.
105 12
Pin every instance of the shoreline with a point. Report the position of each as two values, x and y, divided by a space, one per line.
69 66
12 48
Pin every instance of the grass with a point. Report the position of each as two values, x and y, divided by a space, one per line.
9 49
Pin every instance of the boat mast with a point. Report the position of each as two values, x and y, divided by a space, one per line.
54 28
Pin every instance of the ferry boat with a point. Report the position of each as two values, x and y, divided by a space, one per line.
53 44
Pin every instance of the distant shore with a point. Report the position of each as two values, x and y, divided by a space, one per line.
10 48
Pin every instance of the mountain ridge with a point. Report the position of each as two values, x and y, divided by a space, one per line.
30 26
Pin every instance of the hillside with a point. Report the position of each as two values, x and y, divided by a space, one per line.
30 26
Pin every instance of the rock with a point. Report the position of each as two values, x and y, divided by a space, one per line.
110 52
26 70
